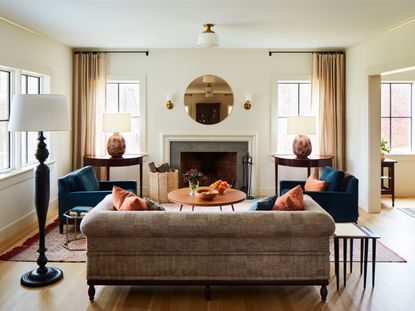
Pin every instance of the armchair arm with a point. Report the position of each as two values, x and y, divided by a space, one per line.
342 206
80 198
125 184
289 184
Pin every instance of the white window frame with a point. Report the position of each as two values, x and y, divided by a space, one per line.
16 161
142 82
412 82
286 78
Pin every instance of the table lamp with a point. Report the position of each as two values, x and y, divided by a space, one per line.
116 123
38 113
301 126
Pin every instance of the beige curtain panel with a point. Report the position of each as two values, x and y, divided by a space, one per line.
88 98
328 85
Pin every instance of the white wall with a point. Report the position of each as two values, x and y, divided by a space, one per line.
24 50
247 71
391 50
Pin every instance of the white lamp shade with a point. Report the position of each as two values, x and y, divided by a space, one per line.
35 113
208 40
301 125
119 122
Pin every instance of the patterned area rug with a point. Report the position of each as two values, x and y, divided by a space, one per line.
75 251
408 210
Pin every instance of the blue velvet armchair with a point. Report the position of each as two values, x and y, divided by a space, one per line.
341 204
81 188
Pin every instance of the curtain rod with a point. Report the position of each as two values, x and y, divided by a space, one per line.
113 52
304 52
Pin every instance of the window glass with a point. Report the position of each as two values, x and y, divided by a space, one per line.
29 85
287 99
385 100
401 100
401 134
396 113
4 120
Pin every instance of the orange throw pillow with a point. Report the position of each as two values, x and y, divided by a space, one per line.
315 184
133 203
119 199
293 200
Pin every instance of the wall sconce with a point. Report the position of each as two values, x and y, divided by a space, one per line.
247 104
169 104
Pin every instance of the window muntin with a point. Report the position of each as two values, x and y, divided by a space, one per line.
125 97
5 77
396 115
294 99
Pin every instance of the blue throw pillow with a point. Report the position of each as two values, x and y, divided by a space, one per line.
85 179
332 177
265 204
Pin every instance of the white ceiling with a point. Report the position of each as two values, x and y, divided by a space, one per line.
239 23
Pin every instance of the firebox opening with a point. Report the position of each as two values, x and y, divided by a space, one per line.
215 165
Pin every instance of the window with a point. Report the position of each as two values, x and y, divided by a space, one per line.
396 115
294 99
4 119
29 85
125 97
17 149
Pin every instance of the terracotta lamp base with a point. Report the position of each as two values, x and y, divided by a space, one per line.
302 146
116 145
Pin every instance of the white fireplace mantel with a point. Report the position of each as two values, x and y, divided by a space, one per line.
250 138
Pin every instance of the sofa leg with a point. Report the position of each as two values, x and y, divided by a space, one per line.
323 292
208 293
60 227
91 292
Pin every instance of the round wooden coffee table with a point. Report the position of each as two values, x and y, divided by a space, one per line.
182 196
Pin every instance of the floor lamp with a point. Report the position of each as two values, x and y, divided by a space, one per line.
38 113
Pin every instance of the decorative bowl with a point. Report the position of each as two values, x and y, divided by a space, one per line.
221 187
206 194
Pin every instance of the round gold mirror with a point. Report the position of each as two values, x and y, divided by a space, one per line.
208 99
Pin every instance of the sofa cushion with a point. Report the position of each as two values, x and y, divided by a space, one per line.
264 204
153 206
314 184
84 179
293 200
332 177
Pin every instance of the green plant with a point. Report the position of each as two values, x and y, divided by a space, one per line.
384 145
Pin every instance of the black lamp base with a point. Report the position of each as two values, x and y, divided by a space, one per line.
36 279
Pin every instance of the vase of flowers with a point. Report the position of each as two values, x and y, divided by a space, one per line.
193 177
384 147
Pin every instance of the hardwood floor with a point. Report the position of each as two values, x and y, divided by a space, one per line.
395 284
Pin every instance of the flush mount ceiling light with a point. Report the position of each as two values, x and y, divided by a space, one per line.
208 38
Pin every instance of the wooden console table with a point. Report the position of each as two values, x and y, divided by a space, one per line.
126 160
293 161
389 164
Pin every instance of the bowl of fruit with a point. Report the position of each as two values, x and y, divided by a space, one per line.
206 194
221 186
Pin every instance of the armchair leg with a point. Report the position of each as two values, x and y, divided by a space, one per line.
60 227
208 293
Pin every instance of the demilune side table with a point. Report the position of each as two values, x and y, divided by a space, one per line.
125 160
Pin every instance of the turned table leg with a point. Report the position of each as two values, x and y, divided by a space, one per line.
91 292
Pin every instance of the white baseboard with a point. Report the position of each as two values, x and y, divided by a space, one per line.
22 224
404 192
